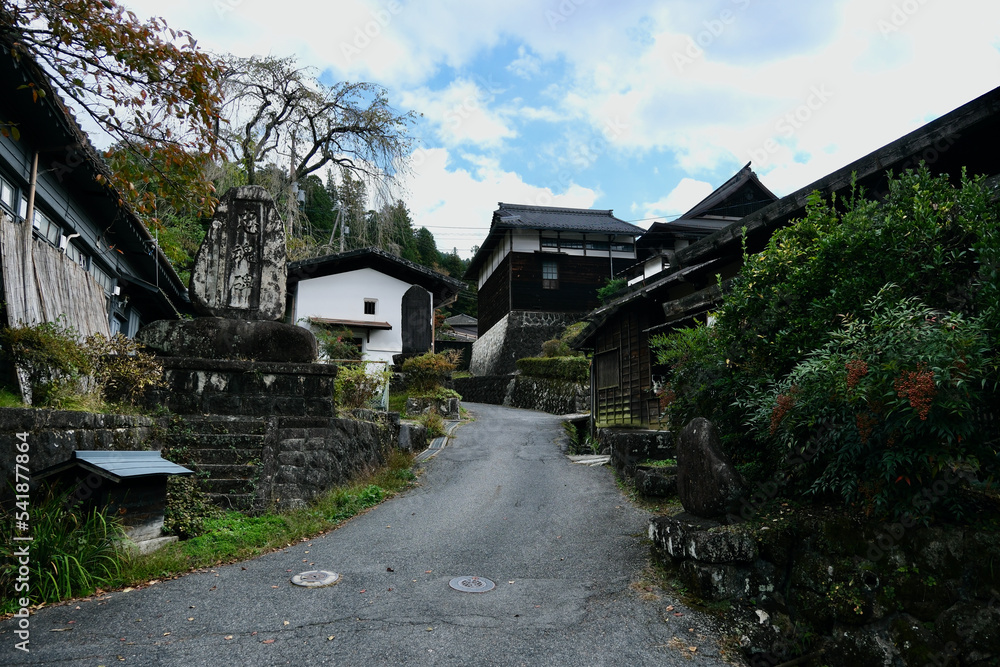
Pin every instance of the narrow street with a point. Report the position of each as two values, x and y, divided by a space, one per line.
564 547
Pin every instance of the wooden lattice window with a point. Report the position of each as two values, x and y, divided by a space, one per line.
606 371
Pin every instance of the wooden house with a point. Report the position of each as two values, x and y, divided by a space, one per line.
385 301
68 245
623 372
735 199
539 268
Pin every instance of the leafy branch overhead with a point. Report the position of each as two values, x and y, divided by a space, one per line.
151 88
278 110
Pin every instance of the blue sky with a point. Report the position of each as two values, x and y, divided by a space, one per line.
640 107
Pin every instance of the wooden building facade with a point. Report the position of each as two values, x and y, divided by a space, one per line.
695 280
548 259
70 247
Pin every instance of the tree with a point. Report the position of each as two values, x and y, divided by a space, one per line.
149 87
280 112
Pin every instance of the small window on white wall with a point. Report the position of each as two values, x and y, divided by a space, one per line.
370 306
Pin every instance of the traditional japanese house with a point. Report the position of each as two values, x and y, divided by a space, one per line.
69 246
623 374
540 268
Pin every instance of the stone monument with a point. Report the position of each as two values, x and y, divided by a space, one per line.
238 286
707 483
241 266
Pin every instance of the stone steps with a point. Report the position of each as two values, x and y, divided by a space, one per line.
241 502
225 453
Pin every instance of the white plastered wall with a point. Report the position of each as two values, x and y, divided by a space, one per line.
342 297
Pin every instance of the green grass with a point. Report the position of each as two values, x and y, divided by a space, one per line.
659 463
228 538
234 536
9 399
397 403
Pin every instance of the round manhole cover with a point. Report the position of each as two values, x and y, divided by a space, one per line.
316 578
472 584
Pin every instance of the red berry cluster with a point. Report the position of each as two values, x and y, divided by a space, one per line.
917 386
866 422
856 369
781 408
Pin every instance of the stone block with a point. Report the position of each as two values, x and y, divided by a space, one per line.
221 338
240 269
716 581
707 483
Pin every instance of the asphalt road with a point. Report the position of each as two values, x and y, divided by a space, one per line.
563 545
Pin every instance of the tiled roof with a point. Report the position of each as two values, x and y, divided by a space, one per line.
561 219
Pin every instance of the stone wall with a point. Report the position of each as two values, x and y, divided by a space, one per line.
194 385
847 591
518 334
518 391
53 436
309 456
629 447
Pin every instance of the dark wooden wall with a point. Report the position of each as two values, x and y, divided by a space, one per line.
621 376
579 280
494 297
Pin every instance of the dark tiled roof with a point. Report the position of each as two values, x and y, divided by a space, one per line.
552 218
561 219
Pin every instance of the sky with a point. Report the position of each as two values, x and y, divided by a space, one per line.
639 107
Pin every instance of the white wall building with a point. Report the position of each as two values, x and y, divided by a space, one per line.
385 301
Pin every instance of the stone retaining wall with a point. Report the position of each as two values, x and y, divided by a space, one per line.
211 386
53 436
860 593
519 391
518 334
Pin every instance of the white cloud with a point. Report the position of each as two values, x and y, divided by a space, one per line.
457 204
461 114
682 198
526 65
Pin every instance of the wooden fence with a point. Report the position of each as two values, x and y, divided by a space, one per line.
40 284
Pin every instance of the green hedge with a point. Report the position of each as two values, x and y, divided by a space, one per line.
570 369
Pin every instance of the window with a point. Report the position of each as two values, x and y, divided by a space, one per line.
606 373
549 242
370 306
76 255
7 194
103 278
550 275
46 227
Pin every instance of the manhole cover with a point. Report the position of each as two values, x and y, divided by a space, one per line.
472 584
316 578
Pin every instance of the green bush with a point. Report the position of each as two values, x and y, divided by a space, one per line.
779 346
188 508
424 374
51 355
887 407
569 369
927 237
338 344
614 288
358 387
74 550
122 370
